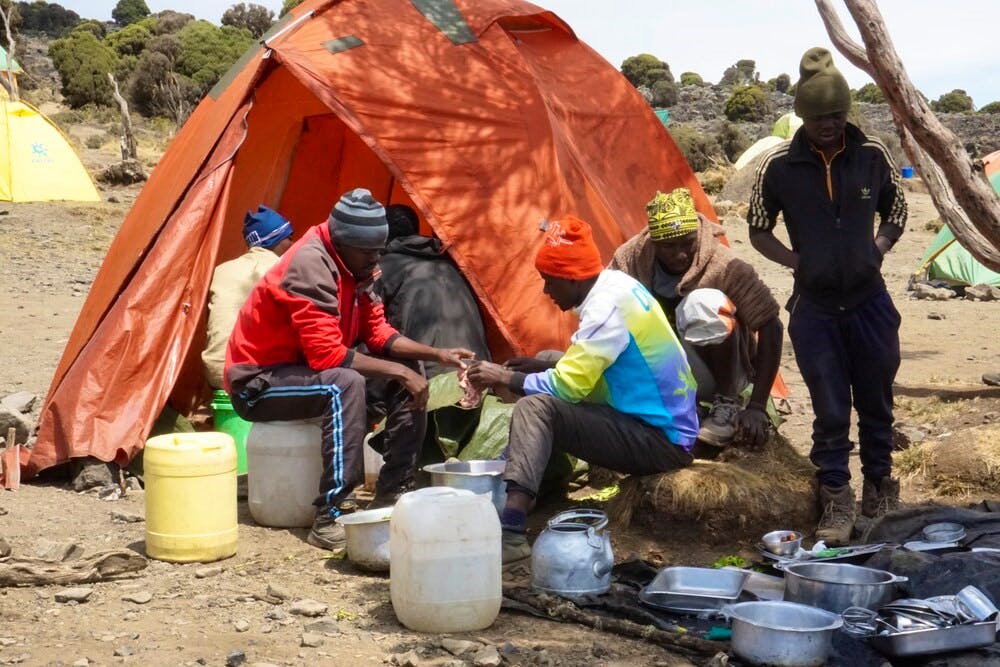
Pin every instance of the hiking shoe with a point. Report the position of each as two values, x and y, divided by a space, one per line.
719 427
326 533
992 379
514 547
837 520
879 499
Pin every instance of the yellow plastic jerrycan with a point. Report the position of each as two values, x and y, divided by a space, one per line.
190 497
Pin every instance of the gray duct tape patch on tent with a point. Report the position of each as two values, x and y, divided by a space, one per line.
446 18
342 44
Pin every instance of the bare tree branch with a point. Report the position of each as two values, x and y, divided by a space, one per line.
128 145
11 47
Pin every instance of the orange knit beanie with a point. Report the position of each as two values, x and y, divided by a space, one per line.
569 251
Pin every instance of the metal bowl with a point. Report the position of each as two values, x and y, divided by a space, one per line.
777 542
944 532
480 477
368 538
782 633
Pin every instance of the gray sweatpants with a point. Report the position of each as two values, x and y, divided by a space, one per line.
598 434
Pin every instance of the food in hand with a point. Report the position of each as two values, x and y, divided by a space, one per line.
472 396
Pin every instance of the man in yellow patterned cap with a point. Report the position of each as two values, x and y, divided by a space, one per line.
716 302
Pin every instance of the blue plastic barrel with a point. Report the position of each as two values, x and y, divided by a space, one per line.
907 172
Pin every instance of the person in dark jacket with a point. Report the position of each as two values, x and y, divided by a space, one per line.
829 182
424 294
291 356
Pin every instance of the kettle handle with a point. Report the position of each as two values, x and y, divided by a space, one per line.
595 519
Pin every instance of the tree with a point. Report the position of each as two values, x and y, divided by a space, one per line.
47 18
782 83
966 201
870 94
992 107
83 64
957 101
691 79
743 73
747 103
254 18
95 28
645 70
289 5
664 93
133 38
129 11
208 51
7 12
169 22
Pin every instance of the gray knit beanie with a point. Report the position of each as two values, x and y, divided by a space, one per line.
821 88
358 221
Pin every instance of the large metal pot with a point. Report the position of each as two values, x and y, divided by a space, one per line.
837 586
482 477
368 538
573 554
782 633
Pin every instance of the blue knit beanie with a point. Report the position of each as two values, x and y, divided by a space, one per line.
358 221
266 228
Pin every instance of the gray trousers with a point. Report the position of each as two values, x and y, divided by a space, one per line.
598 434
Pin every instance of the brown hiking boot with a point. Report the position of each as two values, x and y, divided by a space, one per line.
879 499
837 521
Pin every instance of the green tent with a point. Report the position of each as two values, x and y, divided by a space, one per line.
4 66
664 116
946 260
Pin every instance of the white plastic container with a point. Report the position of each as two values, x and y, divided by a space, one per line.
373 464
444 547
284 465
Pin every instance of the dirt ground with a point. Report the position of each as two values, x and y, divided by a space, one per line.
51 253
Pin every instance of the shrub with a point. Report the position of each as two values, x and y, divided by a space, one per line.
256 19
747 103
289 5
132 39
992 107
869 93
782 83
207 51
169 22
732 141
83 64
743 73
957 101
700 150
129 11
95 28
94 141
691 79
48 18
157 90
645 70
664 93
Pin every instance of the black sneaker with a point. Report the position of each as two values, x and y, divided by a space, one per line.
326 533
719 428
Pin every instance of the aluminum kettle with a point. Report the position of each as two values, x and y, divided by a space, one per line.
573 554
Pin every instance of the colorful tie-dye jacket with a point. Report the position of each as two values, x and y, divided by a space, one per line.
626 355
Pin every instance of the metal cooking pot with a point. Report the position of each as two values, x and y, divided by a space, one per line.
573 554
481 477
837 586
782 633
368 538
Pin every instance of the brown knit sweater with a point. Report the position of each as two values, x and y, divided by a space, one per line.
715 266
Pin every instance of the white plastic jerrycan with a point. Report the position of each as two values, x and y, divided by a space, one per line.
284 465
445 560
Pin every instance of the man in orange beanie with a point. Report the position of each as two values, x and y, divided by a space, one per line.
622 397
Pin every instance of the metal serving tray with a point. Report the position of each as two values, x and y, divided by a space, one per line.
683 604
936 640
698 582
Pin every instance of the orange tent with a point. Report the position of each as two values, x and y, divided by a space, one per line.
488 116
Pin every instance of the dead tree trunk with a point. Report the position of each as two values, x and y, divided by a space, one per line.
966 201
129 149
11 46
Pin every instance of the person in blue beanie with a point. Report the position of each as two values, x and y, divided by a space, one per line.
268 235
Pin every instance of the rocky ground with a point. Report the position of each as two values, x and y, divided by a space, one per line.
249 609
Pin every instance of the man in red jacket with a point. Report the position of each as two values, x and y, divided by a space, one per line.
292 356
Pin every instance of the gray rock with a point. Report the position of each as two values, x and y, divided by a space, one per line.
76 594
4 548
236 658
275 614
454 662
311 640
929 293
459 646
206 572
241 625
325 626
307 607
979 293
408 659
7 641
10 418
118 516
89 473
21 401
123 651
278 591
139 597
57 551
935 315
487 657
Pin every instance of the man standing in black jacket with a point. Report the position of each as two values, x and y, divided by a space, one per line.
829 182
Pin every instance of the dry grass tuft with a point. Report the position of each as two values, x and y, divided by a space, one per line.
960 466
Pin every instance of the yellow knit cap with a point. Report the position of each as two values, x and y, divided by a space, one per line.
671 215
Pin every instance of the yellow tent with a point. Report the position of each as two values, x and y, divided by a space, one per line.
36 161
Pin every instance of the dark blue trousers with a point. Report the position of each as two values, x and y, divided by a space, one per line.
848 358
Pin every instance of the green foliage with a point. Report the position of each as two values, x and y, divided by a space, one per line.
129 11
157 90
992 107
732 141
47 18
747 103
132 39
869 93
95 28
664 93
957 101
743 73
256 19
646 70
13 12
169 22
83 64
207 51
691 79
700 150
730 561
782 83
289 5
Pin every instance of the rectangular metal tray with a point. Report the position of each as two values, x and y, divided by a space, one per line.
698 582
683 604
938 640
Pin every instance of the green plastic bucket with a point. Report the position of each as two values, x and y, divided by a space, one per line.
227 421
